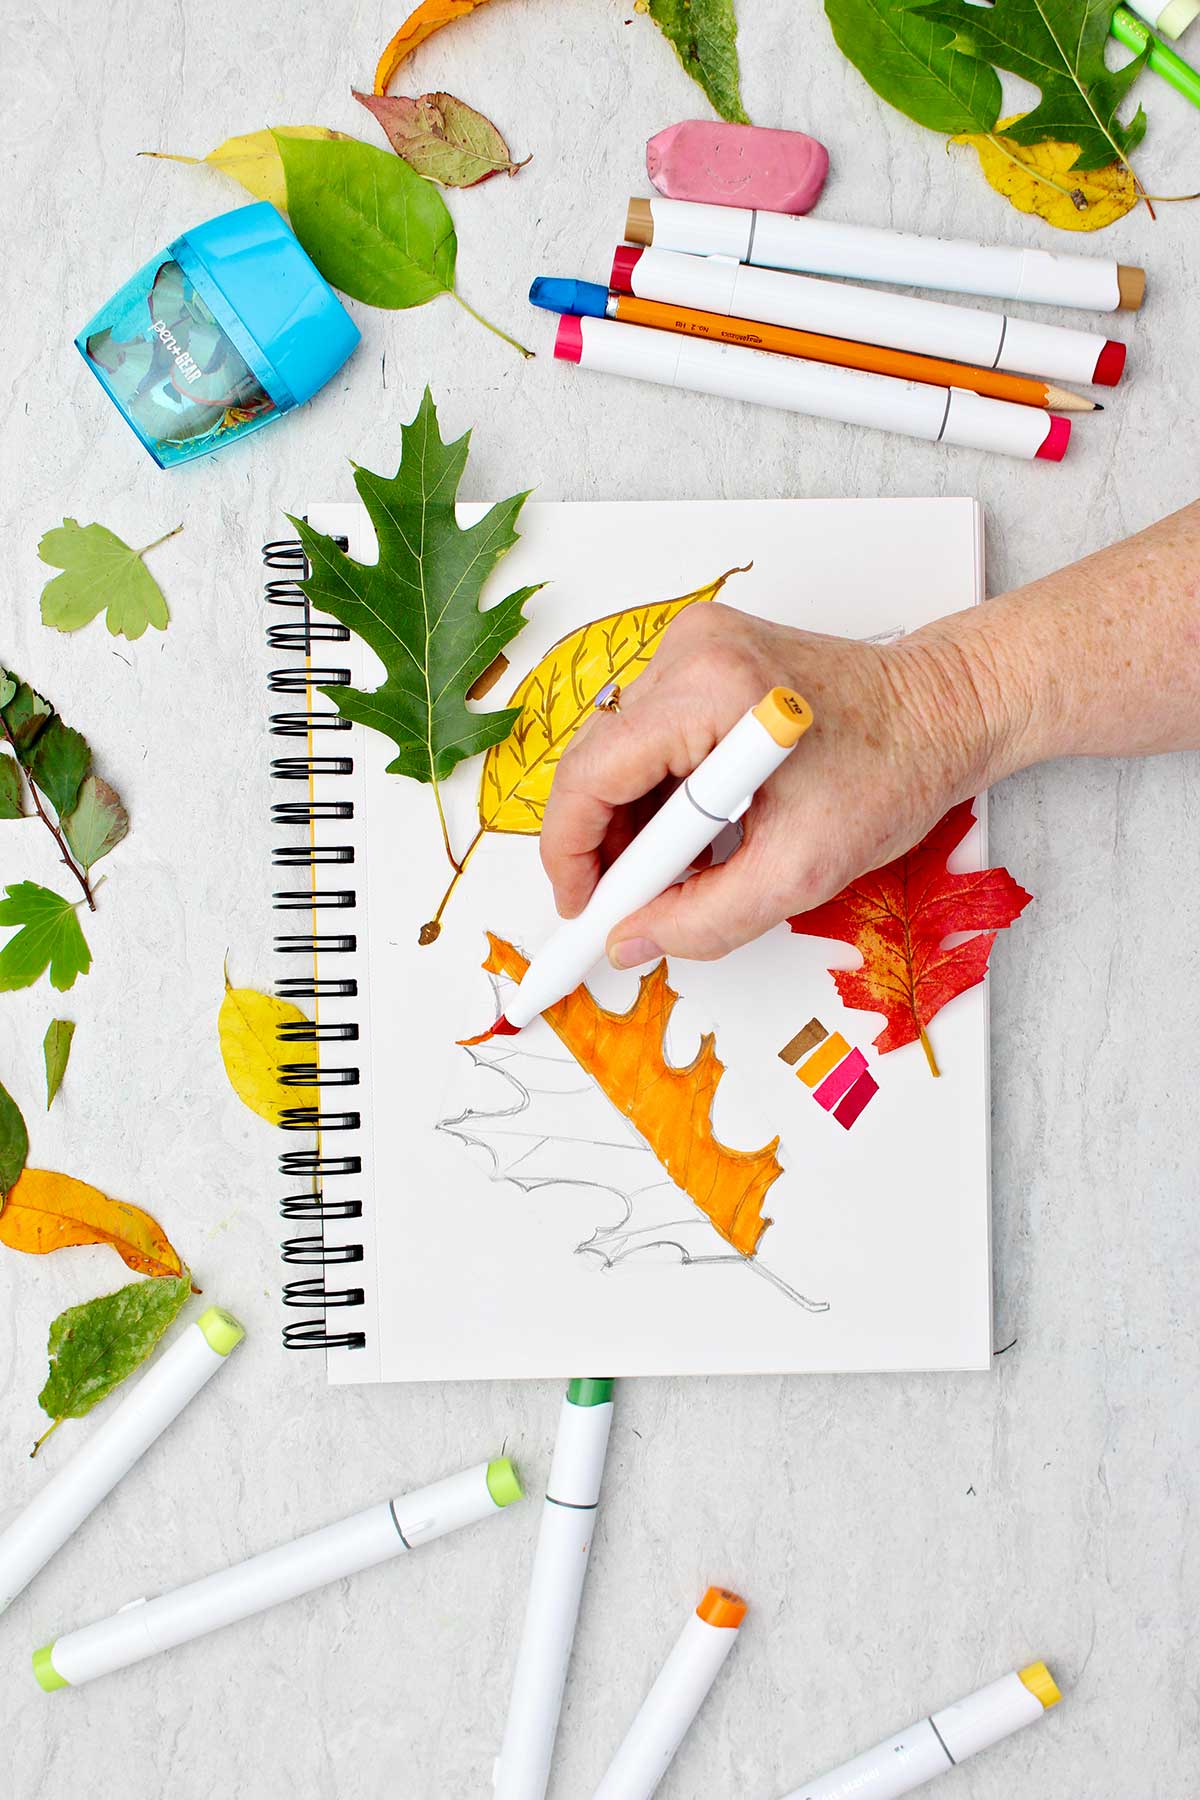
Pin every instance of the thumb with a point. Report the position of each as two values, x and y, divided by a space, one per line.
713 912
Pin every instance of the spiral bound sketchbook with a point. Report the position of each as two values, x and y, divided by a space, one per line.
505 1210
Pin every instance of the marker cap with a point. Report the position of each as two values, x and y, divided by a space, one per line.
221 1329
45 1673
723 1608
590 1390
503 1482
568 339
1110 364
639 222
784 715
1176 16
625 261
1054 446
1041 1684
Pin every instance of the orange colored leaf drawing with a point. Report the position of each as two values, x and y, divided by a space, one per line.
670 1107
420 24
48 1212
899 917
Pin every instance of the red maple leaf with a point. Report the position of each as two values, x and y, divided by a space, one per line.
899 916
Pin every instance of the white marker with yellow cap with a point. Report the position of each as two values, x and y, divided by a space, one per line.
713 796
933 1745
173 1378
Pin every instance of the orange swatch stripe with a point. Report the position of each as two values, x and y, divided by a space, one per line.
821 1061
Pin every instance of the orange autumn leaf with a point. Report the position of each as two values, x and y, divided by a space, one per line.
670 1107
899 917
47 1212
429 17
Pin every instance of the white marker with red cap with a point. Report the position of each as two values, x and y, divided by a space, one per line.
968 334
917 409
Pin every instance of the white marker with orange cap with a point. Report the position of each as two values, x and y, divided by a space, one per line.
713 796
675 1699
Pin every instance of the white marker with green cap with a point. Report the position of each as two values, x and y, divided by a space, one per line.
144 1627
172 1379
937 1743
555 1590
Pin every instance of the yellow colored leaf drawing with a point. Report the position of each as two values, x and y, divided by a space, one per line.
253 159
46 1211
248 1024
671 1108
555 700
1038 178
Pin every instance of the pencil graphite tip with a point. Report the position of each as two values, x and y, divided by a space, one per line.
501 1028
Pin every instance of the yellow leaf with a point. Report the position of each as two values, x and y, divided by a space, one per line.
248 1024
671 1108
556 699
1038 178
253 159
48 1212
429 17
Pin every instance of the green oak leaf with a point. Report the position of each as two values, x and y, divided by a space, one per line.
100 572
49 933
11 798
98 822
56 1048
14 1144
913 63
374 228
704 36
25 717
58 763
418 605
1059 46
93 1347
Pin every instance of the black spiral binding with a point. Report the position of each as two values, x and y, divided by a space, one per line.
297 632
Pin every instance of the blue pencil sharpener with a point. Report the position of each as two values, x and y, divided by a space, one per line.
226 329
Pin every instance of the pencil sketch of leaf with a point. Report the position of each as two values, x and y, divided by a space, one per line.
554 700
540 1122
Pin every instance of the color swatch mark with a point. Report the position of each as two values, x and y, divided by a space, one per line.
837 1074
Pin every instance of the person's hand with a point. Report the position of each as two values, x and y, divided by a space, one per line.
898 735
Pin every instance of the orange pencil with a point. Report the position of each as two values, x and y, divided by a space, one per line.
873 358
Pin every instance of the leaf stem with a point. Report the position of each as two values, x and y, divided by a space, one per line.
467 307
44 816
162 540
50 1429
432 930
998 143
437 796
930 1058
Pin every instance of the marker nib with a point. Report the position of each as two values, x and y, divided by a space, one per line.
501 1028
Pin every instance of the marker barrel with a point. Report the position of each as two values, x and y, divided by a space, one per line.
938 1743
674 1700
869 253
555 1591
915 409
57 1511
714 795
144 1627
965 334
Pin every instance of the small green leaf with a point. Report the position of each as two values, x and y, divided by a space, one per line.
912 63
8 687
93 1347
99 571
56 1048
58 764
50 934
25 717
14 1144
704 34
11 798
374 228
98 822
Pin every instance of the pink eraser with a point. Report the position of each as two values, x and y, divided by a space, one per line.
1054 444
737 165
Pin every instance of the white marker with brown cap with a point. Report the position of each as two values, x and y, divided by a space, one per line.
867 253
713 796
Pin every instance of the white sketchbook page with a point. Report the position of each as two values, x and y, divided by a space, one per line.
471 1273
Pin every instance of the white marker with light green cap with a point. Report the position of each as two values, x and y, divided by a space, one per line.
1171 19
144 1627
172 1379
555 1589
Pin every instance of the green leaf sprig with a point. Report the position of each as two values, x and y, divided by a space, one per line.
704 36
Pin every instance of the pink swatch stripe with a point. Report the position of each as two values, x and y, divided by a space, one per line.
839 1079
863 1090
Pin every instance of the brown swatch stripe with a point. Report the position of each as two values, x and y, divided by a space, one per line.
803 1041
